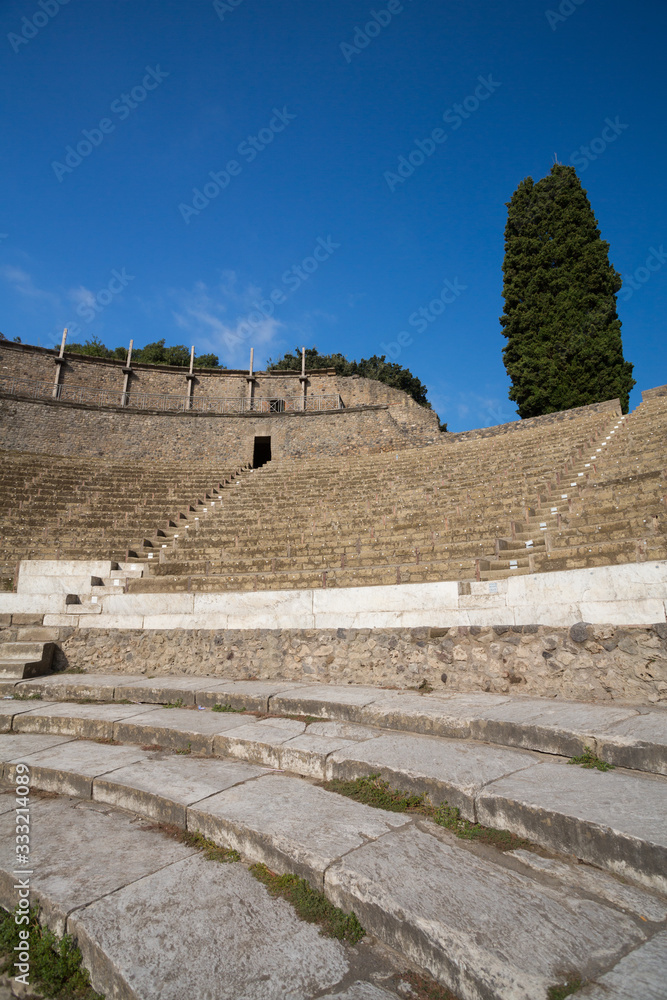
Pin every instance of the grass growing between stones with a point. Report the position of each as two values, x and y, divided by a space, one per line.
210 850
588 759
174 704
27 697
373 791
55 964
423 987
226 708
566 990
311 905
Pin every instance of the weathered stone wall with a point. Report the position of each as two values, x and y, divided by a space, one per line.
584 662
71 429
660 390
78 371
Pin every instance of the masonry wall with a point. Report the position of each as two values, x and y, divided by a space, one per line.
70 429
37 364
584 662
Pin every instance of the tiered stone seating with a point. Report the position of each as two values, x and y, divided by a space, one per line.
465 510
60 508
621 514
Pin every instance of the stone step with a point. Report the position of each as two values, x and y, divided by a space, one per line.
560 807
104 876
25 659
485 924
628 736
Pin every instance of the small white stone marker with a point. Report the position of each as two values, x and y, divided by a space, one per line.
116 583
150 555
493 587
164 546
580 473
93 600
175 536
563 496
573 484
529 544
543 525
587 465
554 510
196 519
205 509
514 564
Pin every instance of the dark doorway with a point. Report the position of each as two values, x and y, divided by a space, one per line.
262 452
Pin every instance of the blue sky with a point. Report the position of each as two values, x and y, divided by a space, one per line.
291 121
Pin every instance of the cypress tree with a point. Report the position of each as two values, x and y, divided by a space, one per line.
563 334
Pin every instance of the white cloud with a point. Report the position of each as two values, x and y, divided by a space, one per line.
81 295
22 284
226 319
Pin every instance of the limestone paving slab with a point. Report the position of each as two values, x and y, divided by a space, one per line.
15 746
553 727
162 787
100 687
178 728
252 695
289 824
639 742
641 975
215 934
70 768
160 690
484 930
641 902
78 857
455 772
321 699
260 741
11 707
343 730
73 719
434 715
307 754
614 820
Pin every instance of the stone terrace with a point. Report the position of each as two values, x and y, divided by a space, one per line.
77 508
584 491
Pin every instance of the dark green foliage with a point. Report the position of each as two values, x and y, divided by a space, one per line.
152 354
563 334
377 368
373 791
55 965
588 759
310 905
566 990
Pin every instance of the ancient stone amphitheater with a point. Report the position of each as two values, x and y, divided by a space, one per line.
285 613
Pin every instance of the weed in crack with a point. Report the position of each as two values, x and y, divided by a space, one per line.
373 791
566 989
311 905
55 964
589 760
